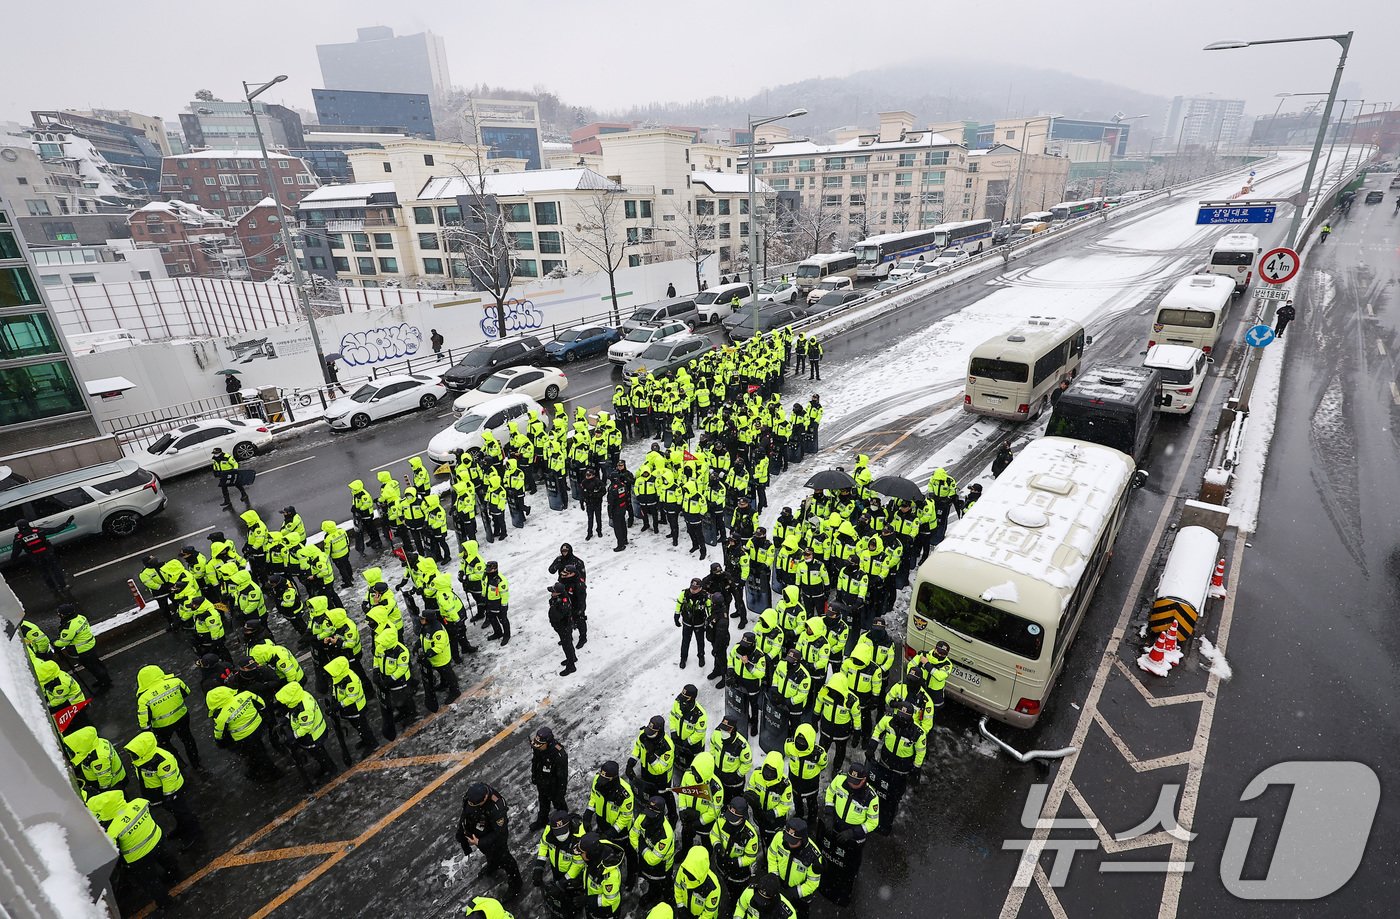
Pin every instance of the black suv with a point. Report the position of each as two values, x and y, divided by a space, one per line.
481 362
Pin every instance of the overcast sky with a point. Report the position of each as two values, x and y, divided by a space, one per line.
152 56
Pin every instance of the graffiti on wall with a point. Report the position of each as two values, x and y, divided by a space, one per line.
521 316
385 343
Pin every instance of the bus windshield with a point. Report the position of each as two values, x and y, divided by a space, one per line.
809 271
1189 319
868 254
993 369
1232 259
981 622
1096 424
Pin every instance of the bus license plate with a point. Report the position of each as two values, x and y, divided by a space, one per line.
967 676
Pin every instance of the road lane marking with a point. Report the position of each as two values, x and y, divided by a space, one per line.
285 465
405 457
142 551
1380 346
1370 311
1395 392
137 643
1155 701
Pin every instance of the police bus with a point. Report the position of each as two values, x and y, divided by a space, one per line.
1012 375
1009 586
876 255
812 271
1068 210
970 235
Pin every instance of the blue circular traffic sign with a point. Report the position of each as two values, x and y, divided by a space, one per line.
1258 336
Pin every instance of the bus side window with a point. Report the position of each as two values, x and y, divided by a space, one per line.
1076 347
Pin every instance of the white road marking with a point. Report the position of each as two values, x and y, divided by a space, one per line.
1029 869
1395 392
285 465
1370 311
124 648
1380 346
404 458
141 551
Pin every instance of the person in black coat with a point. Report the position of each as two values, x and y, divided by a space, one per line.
1002 459
549 773
593 489
561 620
619 501
1283 317
485 826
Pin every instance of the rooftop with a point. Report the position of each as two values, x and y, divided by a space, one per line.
353 191
186 212
507 184
862 144
728 183
227 155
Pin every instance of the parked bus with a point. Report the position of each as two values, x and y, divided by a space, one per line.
1113 405
969 235
1037 217
1068 210
1009 586
1233 256
1011 376
813 270
876 255
1192 312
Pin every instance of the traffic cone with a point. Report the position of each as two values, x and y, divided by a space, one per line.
1155 660
1171 653
1217 581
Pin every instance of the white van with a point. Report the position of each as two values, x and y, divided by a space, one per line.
1183 372
1233 257
827 285
1037 217
717 302
812 271
1192 312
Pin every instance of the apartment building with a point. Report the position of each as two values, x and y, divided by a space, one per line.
191 240
883 181
230 182
1003 180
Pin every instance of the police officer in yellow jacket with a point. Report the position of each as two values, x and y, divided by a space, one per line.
162 708
696 891
134 831
308 726
653 841
794 858
95 760
77 637
851 814
163 782
558 852
602 876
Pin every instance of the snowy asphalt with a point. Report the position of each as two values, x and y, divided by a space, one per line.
379 839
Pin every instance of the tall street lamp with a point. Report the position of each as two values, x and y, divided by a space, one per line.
1021 160
1345 42
251 92
754 125
1116 119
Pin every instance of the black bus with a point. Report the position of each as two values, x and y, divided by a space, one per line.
1110 404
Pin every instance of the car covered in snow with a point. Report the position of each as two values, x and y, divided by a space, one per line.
384 397
536 382
188 447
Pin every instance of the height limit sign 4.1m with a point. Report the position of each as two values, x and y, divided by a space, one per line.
1278 266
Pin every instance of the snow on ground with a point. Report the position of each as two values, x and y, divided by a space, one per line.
1219 666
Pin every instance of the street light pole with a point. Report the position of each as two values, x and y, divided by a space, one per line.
1021 160
754 125
1345 41
298 279
1346 103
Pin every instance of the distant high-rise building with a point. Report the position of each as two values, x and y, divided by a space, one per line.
406 113
150 125
121 158
229 126
380 61
508 128
1202 121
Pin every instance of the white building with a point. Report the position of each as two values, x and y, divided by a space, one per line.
1202 121
114 262
380 61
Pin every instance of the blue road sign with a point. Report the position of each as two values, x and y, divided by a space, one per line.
1251 173
1259 336
1221 215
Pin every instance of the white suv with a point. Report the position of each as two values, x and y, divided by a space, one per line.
639 339
827 285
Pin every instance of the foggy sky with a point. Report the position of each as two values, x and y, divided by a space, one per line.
152 56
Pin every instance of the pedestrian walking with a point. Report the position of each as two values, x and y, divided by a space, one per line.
1325 232
436 340
226 473
561 621
485 827
1002 459
235 394
333 378
670 290
549 773
1283 317
33 541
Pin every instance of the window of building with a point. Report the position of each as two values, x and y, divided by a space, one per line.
835 163
527 268
629 210
551 265
904 178
832 181
517 213
724 207
807 165
360 241
668 191
428 241
782 166
521 240
284 164
17 288
857 201
724 231
934 177
318 262
37 208
744 229
632 236
340 263
27 335
705 207
645 209
289 180
247 179
432 266
428 160
335 240
51 280
932 197
211 180
634 261
306 179
450 215
365 265
60 231
724 252
387 167
967 183
1011 134
38 391
227 178
383 240
778 184
546 213
9 246
389 265
423 215
906 160
552 242
459 268
902 197
973 167
831 200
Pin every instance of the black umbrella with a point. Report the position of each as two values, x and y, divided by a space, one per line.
228 373
334 356
898 487
831 480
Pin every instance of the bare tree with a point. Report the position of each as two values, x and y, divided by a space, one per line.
812 227
601 236
695 236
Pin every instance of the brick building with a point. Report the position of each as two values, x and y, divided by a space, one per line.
257 234
228 183
191 240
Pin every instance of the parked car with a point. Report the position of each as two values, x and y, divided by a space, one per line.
581 341
1375 197
494 416
828 285
637 340
905 269
111 499
950 257
1395 182
187 448
536 382
717 302
890 284
10 479
834 299
676 309
481 362
383 398
1002 233
777 292
740 326
664 357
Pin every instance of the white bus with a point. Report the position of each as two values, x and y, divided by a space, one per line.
813 270
876 255
1011 376
1069 210
1192 312
1009 586
1233 257
969 235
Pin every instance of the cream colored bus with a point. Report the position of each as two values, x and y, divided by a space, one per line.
1011 376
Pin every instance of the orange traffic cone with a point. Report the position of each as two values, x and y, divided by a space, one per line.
1171 653
1155 660
1217 581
